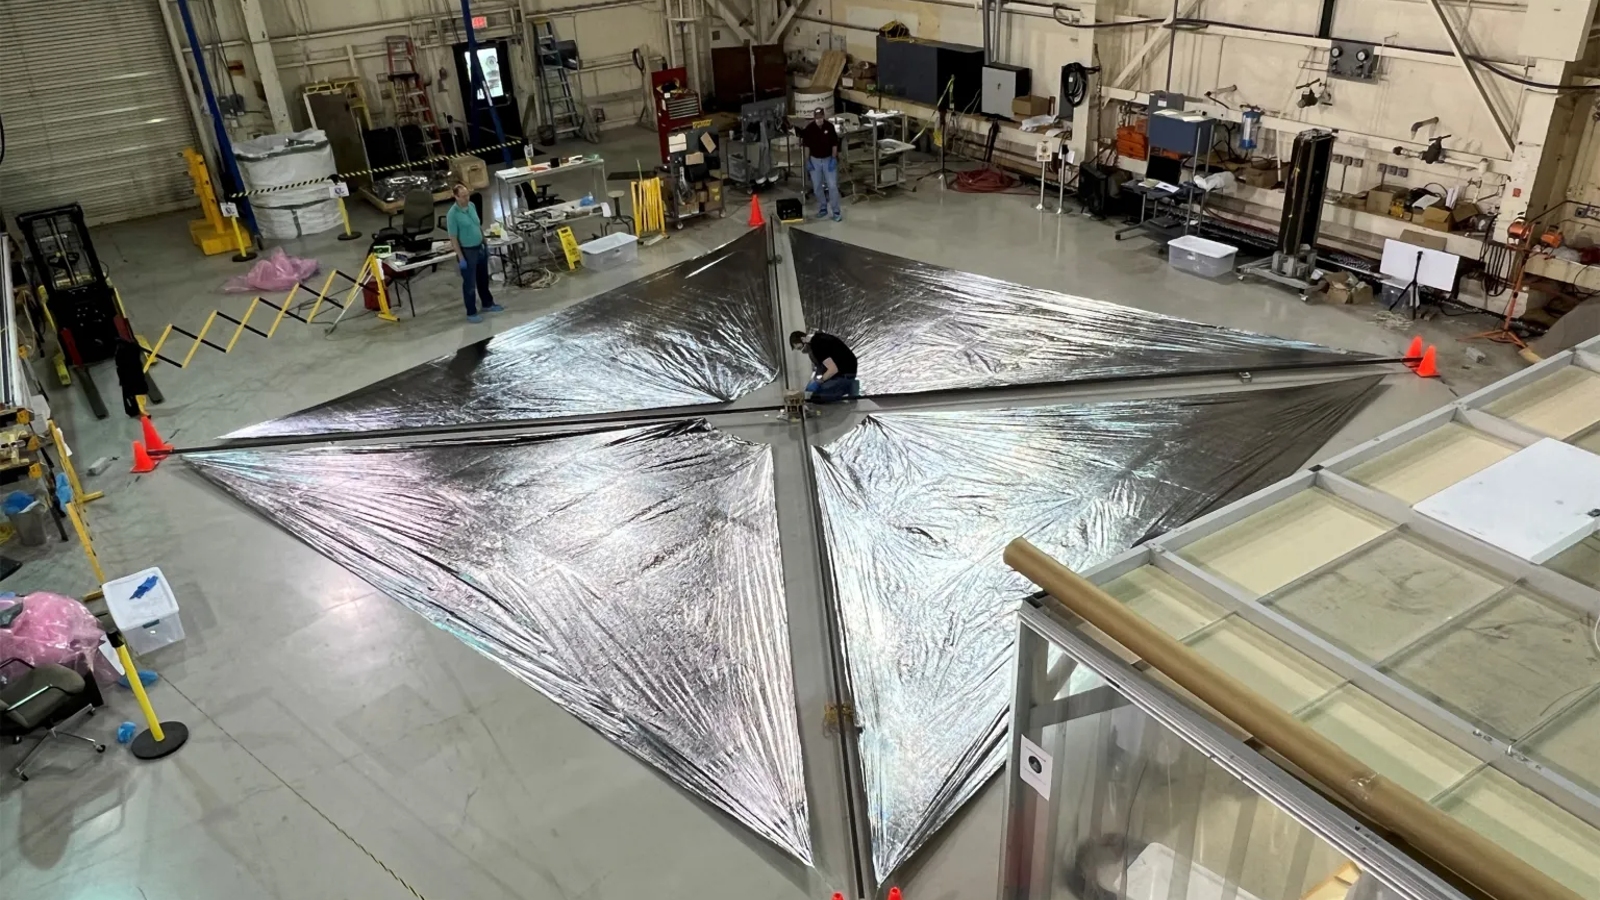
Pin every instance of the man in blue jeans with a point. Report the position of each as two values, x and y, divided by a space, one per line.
466 233
822 140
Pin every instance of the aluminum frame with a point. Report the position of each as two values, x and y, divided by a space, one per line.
1401 874
1492 751
14 392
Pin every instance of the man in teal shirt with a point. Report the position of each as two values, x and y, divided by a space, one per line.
466 233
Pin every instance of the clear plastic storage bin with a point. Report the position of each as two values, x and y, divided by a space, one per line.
149 621
1198 256
610 251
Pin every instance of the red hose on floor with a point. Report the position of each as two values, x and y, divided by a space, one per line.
984 181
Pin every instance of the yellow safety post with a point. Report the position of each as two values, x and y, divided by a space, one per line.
245 254
72 471
344 214
162 738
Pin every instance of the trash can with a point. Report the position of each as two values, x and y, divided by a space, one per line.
28 517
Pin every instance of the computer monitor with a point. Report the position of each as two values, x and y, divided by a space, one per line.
1165 168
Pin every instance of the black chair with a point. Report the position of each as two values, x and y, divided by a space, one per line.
42 699
416 222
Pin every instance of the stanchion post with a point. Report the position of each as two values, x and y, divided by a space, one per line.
341 190
161 738
245 254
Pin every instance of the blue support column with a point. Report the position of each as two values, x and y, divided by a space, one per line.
224 145
476 68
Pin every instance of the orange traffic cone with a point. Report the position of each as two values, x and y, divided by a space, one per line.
1414 352
1429 367
152 439
756 221
142 462
894 893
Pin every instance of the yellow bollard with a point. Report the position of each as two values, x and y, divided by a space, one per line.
245 254
162 738
344 214
131 671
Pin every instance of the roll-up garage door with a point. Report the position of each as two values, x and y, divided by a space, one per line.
93 109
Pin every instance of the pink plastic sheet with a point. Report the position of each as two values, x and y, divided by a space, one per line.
278 272
55 629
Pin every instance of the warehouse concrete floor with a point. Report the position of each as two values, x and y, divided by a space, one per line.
343 747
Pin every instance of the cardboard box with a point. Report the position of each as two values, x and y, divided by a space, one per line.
1436 218
1262 173
1464 211
1026 107
1345 290
1424 239
470 171
1380 200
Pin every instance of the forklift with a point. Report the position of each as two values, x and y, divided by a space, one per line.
78 300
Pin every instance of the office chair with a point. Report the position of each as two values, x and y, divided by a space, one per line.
42 699
416 222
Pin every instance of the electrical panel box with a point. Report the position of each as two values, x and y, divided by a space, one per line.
1184 133
1001 85
1353 60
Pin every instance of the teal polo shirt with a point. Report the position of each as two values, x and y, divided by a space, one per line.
464 225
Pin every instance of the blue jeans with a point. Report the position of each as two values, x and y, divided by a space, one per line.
825 171
839 387
475 274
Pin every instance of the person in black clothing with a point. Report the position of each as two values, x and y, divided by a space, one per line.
833 365
822 143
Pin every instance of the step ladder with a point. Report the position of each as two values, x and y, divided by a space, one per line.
561 112
410 94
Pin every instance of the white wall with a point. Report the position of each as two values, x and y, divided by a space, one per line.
315 40
1373 118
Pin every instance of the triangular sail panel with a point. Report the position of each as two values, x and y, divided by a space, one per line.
918 507
916 327
699 332
632 576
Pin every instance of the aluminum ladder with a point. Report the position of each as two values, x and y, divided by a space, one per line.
561 97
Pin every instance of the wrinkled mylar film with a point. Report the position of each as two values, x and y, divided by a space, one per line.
918 508
632 576
916 327
699 332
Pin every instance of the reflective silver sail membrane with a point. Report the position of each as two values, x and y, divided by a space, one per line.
918 508
916 327
632 576
699 332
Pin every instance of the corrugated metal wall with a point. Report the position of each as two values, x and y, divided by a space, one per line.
94 109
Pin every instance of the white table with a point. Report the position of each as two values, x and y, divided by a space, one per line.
403 264
507 180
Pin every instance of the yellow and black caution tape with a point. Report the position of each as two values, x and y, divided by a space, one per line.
380 170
